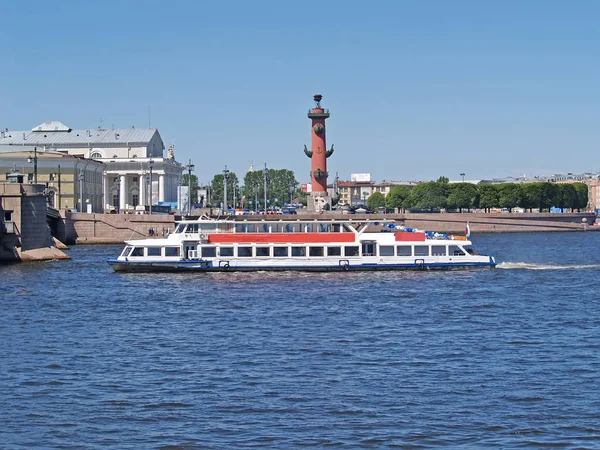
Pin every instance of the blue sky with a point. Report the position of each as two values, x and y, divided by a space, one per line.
416 89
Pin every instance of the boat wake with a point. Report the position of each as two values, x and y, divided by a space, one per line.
534 266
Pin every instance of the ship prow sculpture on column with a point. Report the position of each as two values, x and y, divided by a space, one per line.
319 199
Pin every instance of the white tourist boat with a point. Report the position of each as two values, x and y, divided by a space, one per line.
219 245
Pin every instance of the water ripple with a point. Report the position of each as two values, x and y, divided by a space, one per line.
494 358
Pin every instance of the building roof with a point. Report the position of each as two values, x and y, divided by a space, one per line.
12 151
61 135
51 126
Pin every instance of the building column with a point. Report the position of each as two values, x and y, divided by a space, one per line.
142 191
161 188
122 192
105 191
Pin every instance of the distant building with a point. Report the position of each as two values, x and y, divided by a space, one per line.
135 172
358 192
67 180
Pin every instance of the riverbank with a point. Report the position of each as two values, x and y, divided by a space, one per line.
82 228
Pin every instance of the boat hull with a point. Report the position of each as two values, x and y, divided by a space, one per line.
206 266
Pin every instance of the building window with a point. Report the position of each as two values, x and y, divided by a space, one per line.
96 155
135 179
135 199
30 177
52 177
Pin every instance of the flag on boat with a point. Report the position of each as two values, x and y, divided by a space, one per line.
468 231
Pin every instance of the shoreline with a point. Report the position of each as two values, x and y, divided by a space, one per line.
98 229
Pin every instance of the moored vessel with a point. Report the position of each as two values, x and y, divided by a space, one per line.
220 245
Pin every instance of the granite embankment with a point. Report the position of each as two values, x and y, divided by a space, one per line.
82 228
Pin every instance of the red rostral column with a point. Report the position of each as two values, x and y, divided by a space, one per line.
318 153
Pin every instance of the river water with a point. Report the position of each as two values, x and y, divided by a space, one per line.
505 358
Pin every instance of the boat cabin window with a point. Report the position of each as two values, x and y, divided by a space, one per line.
351 250
280 252
421 250
180 228
263 252
470 251
192 228
137 251
171 251
438 250
386 250
244 252
336 227
316 251
455 250
298 251
368 249
404 250
126 251
334 251
154 251
226 251
209 252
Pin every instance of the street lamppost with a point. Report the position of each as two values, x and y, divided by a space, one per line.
150 163
81 191
59 190
265 175
190 167
463 176
34 161
225 179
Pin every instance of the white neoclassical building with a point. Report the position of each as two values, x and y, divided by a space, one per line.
136 174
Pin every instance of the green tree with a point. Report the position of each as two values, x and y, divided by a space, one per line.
582 196
252 188
375 201
443 179
430 195
281 184
529 200
396 197
217 187
194 187
462 195
541 195
488 196
566 196
510 195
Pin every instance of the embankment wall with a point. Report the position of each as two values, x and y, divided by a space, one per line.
81 228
